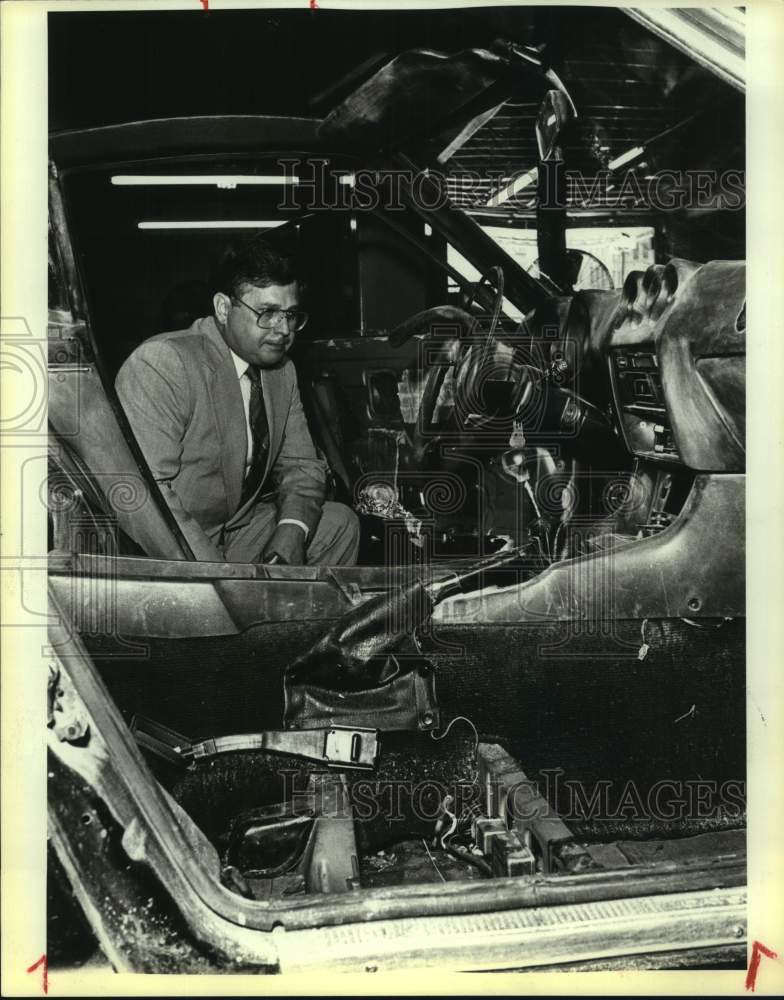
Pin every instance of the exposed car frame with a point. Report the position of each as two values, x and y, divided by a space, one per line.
103 798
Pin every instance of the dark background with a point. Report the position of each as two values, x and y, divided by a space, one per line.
125 66
627 84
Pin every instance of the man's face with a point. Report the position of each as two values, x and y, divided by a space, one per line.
263 346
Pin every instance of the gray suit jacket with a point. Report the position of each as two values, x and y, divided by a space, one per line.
182 397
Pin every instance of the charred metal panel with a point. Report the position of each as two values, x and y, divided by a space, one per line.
694 318
136 925
700 349
61 263
724 379
694 567
331 864
151 598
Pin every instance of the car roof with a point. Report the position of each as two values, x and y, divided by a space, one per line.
214 135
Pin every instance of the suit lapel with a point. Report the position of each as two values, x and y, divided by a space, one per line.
270 387
226 398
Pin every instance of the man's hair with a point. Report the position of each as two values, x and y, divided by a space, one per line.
253 261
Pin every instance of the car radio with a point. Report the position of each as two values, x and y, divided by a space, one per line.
640 401
637 378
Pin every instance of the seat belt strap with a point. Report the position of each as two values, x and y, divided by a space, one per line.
336 746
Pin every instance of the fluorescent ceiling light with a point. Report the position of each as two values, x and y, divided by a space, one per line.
630 154
214 224
209 180
523 181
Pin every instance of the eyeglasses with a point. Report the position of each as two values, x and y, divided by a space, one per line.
268 318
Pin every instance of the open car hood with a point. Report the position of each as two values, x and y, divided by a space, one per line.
420 94
434 102
713 37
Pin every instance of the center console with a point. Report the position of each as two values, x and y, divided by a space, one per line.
639 403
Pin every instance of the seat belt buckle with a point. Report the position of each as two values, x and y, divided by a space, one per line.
165 743
206 748
345 746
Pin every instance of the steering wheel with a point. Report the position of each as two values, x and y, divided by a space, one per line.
463 354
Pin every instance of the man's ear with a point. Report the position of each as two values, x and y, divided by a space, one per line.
221 303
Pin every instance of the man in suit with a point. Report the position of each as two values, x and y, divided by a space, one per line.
217 413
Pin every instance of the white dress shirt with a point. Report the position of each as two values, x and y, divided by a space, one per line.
241 367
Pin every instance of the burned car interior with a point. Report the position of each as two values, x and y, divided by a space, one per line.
548 606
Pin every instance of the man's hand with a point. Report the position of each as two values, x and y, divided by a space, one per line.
287 544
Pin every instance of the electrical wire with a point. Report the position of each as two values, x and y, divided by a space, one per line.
443 837
452 825
459 854
459 718
433 860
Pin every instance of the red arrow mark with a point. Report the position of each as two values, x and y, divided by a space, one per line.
205 4
758 949
313 5
43 961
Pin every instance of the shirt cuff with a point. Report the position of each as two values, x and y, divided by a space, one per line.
293 520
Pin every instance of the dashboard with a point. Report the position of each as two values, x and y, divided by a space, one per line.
672 343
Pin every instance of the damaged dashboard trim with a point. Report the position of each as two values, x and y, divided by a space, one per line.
654 577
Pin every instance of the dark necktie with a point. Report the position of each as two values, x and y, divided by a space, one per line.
259 435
